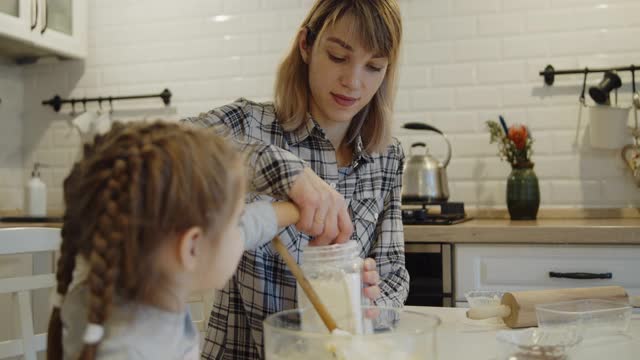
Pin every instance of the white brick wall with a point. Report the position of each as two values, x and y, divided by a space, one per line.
11 91
464 62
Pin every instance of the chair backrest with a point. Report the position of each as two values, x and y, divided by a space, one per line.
42 243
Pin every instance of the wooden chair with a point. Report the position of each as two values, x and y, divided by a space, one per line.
42 243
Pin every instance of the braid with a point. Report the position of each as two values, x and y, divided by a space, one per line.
130 258
105 255
64 274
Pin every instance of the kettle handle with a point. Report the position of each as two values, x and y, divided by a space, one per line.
422 126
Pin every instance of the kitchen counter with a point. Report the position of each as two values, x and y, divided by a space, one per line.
551 230
462 338
19 214
29 224
541 231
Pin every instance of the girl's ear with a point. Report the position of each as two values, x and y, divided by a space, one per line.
188 247
305 44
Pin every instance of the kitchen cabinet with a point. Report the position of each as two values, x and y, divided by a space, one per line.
514 267
16 19
34 28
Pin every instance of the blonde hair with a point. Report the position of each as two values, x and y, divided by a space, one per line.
137 186
379 25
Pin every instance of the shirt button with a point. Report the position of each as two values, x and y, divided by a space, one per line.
333 185
375 216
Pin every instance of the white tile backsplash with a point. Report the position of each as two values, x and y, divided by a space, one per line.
477 50
463 62
500 24
11 158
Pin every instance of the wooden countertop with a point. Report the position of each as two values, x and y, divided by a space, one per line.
28 224
554 226
19 213
542 231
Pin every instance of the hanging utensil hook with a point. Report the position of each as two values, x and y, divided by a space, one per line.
635 106
584 85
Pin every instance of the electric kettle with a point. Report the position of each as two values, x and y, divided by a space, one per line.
425 178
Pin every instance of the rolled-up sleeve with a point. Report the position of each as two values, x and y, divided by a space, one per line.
272 170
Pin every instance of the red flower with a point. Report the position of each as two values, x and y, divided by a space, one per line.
518 134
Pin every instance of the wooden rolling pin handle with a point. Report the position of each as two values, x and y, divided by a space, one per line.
488 311
304 284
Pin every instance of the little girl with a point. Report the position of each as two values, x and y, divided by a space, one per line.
153 212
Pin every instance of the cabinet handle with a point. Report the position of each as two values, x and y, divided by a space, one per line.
580 275
46 16
34 14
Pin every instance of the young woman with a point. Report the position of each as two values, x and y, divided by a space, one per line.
325 144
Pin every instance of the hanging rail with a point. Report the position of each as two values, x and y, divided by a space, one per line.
56 101
550 73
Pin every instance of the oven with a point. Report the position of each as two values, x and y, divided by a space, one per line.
430 264
430 267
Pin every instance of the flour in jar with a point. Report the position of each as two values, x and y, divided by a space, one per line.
341 293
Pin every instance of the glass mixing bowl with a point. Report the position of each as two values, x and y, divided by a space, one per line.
388 334
537 344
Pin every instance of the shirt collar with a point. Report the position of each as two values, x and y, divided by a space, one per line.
359 153
310 126
303 132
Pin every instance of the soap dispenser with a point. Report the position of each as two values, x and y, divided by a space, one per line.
36 204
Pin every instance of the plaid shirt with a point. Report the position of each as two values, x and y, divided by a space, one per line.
262 284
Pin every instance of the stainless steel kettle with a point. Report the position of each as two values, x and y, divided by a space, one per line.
425 178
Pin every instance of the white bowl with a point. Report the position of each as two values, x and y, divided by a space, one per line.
481 297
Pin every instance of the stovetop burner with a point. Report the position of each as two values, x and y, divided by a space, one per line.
450 213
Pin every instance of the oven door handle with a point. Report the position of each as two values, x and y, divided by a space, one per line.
580 275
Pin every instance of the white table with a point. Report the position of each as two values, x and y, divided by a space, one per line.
462 338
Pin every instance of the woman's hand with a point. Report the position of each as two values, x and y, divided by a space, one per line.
323 210
371 279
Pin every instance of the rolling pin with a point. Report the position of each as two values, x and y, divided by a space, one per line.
518 309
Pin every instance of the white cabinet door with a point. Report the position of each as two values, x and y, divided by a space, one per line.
16 19
528 267
62 27
34 28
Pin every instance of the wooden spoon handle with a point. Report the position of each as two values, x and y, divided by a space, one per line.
286 212
304 283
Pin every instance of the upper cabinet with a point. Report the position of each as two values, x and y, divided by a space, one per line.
33 28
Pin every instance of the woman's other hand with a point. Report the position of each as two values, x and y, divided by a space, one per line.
371 279
323 210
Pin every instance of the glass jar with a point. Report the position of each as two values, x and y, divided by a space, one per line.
335 273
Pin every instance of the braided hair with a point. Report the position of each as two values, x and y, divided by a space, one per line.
135 185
